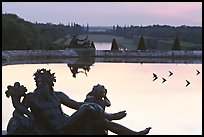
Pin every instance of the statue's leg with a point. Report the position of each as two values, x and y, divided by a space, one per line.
12 127
120 129
81 118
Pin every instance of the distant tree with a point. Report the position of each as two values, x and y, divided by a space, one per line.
87 28
176 44
92 45
141 45
114 45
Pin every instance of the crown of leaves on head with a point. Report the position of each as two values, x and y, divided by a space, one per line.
44 73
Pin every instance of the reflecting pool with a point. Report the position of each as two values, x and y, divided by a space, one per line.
170 108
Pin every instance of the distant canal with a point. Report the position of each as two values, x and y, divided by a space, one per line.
102 45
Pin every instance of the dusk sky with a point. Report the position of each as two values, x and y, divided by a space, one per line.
109 13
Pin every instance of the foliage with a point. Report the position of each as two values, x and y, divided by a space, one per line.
18 34
176 44
141 45
185 33
114 45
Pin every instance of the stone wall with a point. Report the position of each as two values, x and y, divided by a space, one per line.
18 54
79 55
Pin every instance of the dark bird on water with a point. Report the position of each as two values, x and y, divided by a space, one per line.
170 73
163 80
154 77
187 83
198 72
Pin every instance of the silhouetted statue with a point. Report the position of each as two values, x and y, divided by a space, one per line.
46 116
74 42
98 95
19 124
84 43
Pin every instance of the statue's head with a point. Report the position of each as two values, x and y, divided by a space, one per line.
99 91
43 77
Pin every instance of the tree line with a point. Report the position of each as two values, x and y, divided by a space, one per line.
185 33
20 34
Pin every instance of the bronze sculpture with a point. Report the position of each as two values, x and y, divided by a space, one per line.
83 43
46 117
98 95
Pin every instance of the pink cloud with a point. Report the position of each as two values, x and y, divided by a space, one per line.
163 8
183 12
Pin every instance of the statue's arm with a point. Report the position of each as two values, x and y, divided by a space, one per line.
26 104
115 116
107 102
27 100
65 100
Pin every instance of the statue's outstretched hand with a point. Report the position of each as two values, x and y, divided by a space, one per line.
119 115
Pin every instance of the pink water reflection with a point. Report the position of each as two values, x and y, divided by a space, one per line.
169 108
